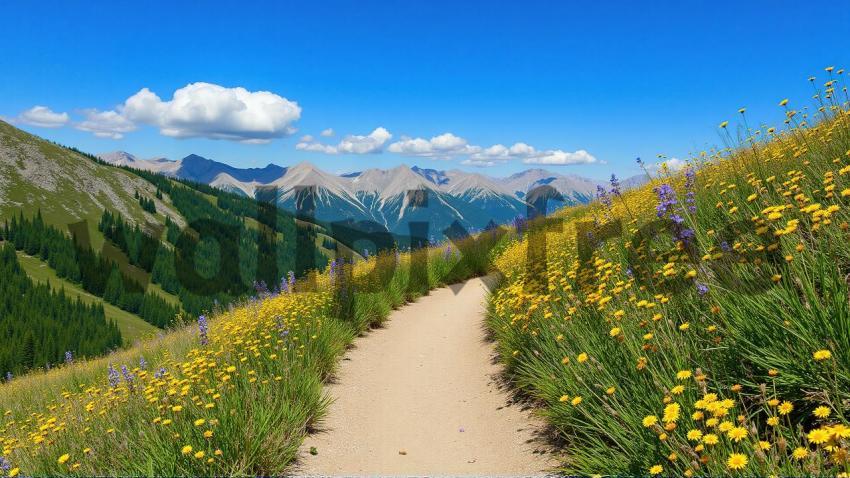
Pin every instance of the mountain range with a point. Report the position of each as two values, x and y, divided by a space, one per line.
392 198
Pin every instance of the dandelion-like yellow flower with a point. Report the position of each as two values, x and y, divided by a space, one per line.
576 400
671 412
186 449
63 459
822 412
684 374
564 398
649 420
785 408
710 439
582 357
200 454
737 461
656 470
822 355
800 453
819 436
737 434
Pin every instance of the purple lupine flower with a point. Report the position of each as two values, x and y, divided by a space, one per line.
332 270
615 186
702 289
724 246
159 373
114 378
5 466
447 253
690 196
143 364
603 196
128 377
8 376
261 288
291 281
666 199
203 329
69 357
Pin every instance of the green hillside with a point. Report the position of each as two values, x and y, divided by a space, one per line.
66 186
131 326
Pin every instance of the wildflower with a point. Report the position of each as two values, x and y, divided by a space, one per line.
786 408
656 470
615 185
203 329
736 461
694 435
186 449
677 390
764 445
800 453
822 412
710 439
614 332
683 374
564 398
582 357
737 434
114 378
14 472
724 124
818 436
199 454
822 355
671 412
69 357
649 420
773 421
199 422
208 434
685 326
63 459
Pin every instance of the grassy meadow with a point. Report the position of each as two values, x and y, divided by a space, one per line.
708 334
231 394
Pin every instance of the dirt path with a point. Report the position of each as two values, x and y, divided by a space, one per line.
422 396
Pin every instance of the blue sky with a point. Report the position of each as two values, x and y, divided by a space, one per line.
617 80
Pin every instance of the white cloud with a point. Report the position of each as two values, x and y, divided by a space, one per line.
560 158
205 110
105 124
352 144
673 164
327 133
43 117
499 153
479 163
444 146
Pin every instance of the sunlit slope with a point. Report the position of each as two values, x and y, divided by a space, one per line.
67 187
699 325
